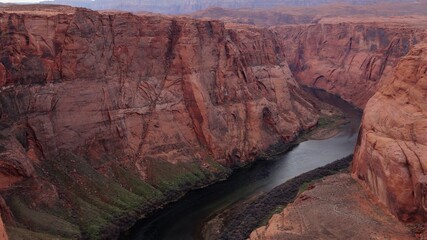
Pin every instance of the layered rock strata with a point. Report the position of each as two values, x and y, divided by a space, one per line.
185 6
389 162
391 154
349 57
102 114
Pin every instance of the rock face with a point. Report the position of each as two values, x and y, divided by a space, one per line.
346 50
347 57
333 208
391 155
185 6
260 17
104 113
105 116
309 15
3 234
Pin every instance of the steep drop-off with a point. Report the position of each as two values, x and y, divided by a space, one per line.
348 56
106 116
390 161
185 6
346 50
391 155
304 15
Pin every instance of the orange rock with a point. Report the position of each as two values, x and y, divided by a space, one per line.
348 56
148 85
337 208
3 234
126 91
391 154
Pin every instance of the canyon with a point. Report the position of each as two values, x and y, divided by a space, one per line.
345 50
357 57
281 15
389 159
186 6
108 115
349 57
390 156
105 116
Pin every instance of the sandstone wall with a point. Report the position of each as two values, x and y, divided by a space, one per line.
347 57
185 6
3 234
391 154
145 86
131 109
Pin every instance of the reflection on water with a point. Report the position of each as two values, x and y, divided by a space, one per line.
184 219
310 155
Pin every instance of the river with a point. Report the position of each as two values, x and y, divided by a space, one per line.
184 219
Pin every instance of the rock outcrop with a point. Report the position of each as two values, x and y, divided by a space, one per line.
348 56
105 116
346 50
391 155
102 114
3 234
334 208
185 6
310 15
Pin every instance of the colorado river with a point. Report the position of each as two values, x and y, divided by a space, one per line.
184 219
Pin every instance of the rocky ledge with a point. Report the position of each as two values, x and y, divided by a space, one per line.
336 207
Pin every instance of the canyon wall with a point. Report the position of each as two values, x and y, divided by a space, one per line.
348 56
108 115
391 154
185 6
356 57
3 234
346 50
396 11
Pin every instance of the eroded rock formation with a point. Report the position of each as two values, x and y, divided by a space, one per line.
334 208
102 114
390 161
391 155
310 15
346 50
3 234
348 56
106 115
185 6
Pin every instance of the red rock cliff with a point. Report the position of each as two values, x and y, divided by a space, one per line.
3 234
391 155
348 56
90 100
185 6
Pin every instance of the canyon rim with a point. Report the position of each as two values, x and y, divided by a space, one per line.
108 115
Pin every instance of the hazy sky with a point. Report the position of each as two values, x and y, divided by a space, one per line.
18 1
22 1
